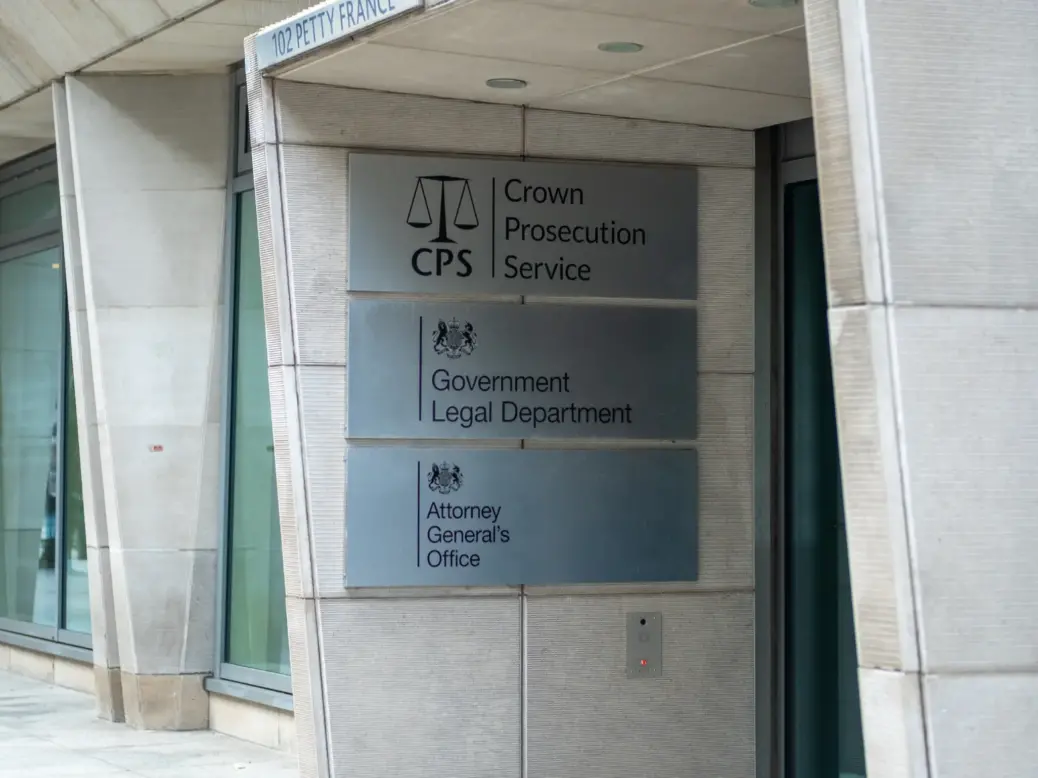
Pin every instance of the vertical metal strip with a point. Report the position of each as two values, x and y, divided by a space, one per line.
786 172
60 454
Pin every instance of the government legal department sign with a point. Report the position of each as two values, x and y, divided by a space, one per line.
500 370
445 224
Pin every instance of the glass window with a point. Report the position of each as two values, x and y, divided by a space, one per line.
243 155
43 569
77 597
257 632
823 715
29 208
31 355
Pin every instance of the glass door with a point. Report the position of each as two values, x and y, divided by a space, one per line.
822 721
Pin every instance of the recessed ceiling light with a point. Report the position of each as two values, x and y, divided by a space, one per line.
773 3
506 83
620 47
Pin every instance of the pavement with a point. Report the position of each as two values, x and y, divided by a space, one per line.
50 732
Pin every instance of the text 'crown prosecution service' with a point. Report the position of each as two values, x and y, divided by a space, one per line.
505 227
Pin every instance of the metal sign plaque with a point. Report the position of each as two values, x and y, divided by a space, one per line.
464 517
504 370
444 224
324 23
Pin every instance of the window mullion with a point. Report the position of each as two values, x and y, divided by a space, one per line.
60 560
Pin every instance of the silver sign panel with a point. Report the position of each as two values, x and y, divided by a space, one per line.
504 370
324 23
464 517
443 224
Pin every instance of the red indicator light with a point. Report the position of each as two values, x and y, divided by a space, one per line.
645 662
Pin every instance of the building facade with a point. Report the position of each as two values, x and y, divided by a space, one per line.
190 297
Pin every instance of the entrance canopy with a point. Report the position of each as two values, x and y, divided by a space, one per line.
722 63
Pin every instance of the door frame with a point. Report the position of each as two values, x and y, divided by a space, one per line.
793 161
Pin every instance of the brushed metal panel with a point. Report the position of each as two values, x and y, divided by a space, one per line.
644 645
586 718
464 517
420 687
968 379
433 370
449 224
584 136
315 194
334 116
331 553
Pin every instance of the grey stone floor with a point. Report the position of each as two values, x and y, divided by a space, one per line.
49 732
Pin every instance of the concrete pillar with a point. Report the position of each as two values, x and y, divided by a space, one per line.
102 605
928 161
149 161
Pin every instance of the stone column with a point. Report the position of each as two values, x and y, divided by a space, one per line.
102 606
149 158
925 117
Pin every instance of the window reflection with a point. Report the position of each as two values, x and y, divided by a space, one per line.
31 339
43 568
257 632
29 208
77 596
823 718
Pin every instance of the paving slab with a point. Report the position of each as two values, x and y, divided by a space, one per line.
50 732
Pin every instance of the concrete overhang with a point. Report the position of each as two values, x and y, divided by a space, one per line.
44 40
721 63
26 126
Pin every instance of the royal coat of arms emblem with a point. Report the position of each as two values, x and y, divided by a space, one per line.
454 339
445 478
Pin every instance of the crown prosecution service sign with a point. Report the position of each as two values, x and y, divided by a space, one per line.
324 23
460 517
444 224
504 370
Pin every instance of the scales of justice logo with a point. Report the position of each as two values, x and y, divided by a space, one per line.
445 478
453 339
455 196
419 216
